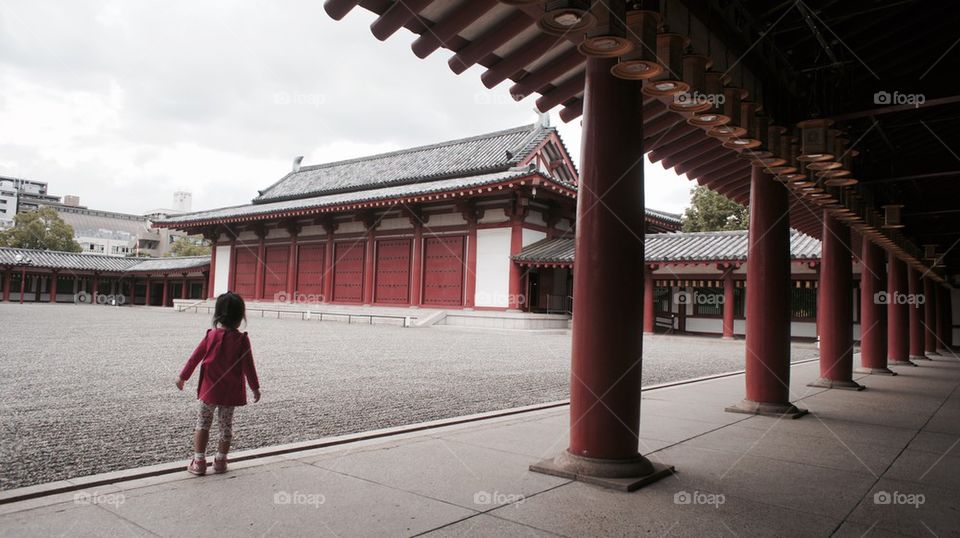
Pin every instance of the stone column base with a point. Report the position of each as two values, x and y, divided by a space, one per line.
623 475
875 371
900 363
836 384
785 410
919 358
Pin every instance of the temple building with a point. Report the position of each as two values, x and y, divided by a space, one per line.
431 226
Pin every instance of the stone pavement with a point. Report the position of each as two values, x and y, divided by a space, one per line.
879 462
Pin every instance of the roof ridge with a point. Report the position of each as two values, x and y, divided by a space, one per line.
529 127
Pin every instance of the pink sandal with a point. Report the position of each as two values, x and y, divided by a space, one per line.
197 467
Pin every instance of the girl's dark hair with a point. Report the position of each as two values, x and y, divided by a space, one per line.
230 311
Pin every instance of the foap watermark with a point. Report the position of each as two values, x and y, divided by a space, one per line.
697 298
108 499
698 98
299 498
511 300
113 299
896 497
299 298
699 497
299 98
896 98
883 297
496 498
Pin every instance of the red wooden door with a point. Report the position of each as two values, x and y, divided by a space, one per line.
443 270
348 271
392 280
310 271
275 277
245 272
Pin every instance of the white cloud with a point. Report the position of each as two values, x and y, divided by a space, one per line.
124 102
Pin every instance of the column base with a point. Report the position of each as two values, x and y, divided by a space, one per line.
836 384
900 363
750 407
649 332
934 353
623 475
728 337
919 358
874 371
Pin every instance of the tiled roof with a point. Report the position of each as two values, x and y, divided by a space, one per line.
49 259
345 198
663 215
673 247
492 152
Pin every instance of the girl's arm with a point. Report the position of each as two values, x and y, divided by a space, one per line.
194 359
249 368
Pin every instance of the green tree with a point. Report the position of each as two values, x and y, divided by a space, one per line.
710 212
189 246
42 229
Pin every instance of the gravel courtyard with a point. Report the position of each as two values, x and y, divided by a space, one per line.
86 389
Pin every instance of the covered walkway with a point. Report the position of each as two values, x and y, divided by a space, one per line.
882 460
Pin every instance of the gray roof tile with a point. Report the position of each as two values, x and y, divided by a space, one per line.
677 246
472 156
49 259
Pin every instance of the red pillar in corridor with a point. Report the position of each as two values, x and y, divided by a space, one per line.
929 317
916 314
649 315
873 337
607 348
898 324
835 311
768 301
53 287
728 304
6 285
946 341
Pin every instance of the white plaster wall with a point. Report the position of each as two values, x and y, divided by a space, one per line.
350 227
221 277
277 233
398 223
446 219
535 217
493 267
313 229
531 236
493 215
803 329
247 235
715 326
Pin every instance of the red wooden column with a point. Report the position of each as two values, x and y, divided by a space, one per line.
768 301
23 284
165 296
835 320
898 323
369 260
916 311
873 313
517 213
292 261
649 312
607 349
147 298
205 287
261 266
184 287
470 285
6 285
96 288
941 319
330 227
209 285
929 316
53 287
416 261
947 340
728 303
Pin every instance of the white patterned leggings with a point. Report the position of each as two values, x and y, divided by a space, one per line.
224 419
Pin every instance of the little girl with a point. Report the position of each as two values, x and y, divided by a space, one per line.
225 360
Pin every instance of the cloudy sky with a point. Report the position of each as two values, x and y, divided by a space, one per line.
125 102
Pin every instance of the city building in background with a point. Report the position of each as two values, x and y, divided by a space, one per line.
21 195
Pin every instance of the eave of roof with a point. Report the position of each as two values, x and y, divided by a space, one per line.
386 196
75 261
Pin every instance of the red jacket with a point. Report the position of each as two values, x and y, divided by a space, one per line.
225 360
